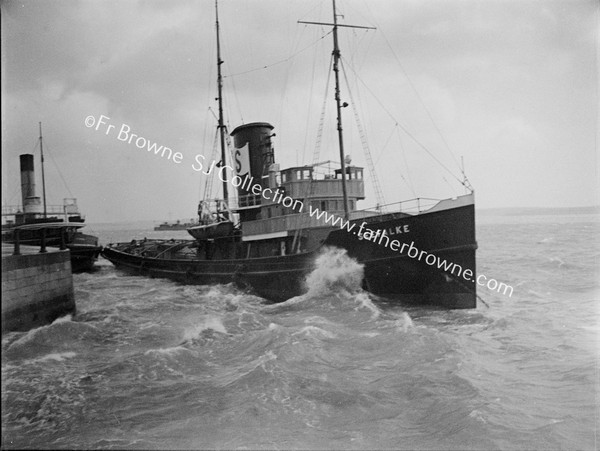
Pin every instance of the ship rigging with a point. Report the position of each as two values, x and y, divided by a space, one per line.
264 244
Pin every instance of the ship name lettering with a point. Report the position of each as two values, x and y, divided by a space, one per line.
398 230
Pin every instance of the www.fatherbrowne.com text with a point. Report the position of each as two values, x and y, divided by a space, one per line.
278 196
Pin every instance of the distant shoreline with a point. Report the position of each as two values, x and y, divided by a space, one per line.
539 211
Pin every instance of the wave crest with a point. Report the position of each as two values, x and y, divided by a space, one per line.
335 271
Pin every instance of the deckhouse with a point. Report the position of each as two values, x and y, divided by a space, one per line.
289 201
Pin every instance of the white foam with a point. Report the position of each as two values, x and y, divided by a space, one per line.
314 331
63 319
334 270
405 322
365 302
166 351
213 323
265 358
57 357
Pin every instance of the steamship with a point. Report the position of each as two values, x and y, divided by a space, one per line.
37 224
264 239
178 225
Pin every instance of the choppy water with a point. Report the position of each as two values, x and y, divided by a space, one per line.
148 363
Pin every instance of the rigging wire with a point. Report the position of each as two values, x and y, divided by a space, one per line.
47 148
233 90
410 135
413 87
465 182
208 184
295 42
403 151
268 66
366 150
237 100
303 220
310 97
319 137
211 59
408 182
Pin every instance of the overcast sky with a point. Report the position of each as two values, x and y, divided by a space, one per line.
509 85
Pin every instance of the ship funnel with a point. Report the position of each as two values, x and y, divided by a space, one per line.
31 203
253 155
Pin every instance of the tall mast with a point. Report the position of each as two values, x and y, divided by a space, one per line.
221 126
43 175
338 102
336 70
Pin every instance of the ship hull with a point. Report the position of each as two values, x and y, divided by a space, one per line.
83 248
424 259
448 234
275 278
83 258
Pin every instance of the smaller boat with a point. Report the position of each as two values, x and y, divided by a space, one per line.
214 220
84 251
211 231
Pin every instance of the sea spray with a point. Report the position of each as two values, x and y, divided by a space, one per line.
334 274
404 323
334 271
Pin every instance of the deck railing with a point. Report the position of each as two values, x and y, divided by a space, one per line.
69 207
410 206
42 238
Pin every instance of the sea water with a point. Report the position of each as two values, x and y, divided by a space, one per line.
152 364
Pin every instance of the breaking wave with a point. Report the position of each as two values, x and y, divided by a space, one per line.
335 271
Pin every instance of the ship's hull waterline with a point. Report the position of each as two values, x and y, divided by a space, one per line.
448 234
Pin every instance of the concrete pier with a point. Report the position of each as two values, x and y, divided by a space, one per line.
37 287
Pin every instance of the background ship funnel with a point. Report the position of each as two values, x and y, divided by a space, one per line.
31 203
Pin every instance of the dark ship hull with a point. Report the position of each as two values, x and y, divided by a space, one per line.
83 248
449 234
84 251
83 258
